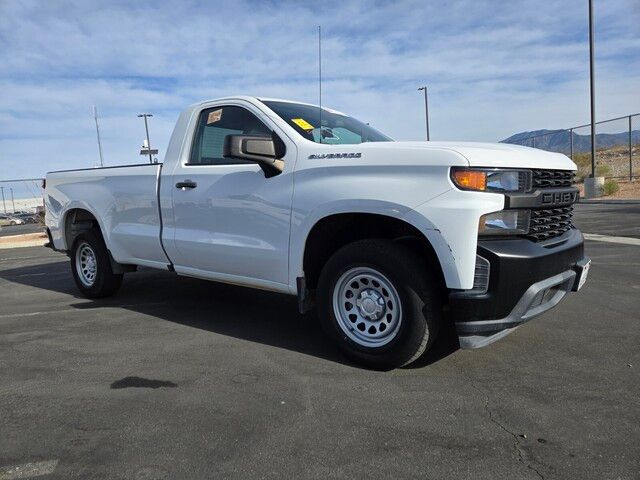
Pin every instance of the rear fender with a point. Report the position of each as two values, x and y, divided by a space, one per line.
59 234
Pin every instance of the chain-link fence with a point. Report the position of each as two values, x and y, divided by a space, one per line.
617 146
21 207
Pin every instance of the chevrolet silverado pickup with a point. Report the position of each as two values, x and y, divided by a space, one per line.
387 240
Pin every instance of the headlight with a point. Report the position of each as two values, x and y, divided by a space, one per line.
505 222
491 179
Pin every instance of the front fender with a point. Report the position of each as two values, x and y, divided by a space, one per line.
302 224
450 223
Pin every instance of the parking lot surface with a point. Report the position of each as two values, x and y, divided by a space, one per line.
181 378
602 219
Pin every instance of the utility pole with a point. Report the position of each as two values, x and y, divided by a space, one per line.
4 207
13 204
630 152
426 109
571 143
593 93
146 128
95 117
320 78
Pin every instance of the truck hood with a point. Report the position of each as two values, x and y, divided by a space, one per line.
489 154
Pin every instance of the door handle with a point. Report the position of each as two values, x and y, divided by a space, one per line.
186 184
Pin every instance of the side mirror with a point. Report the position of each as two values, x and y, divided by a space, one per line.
265 151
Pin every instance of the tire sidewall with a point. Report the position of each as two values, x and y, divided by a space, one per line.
103 265
414 324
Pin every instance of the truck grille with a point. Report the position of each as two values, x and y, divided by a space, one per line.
552 178
551 221
548 223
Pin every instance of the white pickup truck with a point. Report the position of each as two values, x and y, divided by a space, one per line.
387 239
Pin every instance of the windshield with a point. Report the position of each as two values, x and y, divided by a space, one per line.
337 128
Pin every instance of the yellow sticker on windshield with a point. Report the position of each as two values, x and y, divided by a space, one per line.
302 123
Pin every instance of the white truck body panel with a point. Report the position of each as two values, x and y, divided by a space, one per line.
243 228
123 200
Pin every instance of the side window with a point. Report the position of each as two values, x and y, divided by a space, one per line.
214 124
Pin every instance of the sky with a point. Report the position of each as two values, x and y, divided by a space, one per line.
493 68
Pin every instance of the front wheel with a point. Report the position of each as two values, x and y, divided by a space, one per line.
91 266
378 300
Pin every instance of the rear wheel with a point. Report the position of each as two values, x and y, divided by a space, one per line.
91 266
377 299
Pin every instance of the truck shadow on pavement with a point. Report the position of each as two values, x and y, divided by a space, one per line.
244 313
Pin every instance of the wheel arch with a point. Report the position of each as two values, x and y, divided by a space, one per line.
77 220
331 232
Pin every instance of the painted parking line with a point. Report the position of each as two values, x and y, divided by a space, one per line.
609 239
28 470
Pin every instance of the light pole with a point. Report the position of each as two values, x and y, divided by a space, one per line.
4 207
146 127
593 93
426 109
13 204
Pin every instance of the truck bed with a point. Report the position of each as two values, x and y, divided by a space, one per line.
124 199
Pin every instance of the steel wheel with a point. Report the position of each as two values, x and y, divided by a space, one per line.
367 307
86 264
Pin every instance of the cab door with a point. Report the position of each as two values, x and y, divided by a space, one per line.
229 221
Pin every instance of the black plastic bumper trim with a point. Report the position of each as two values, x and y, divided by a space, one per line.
50 243
516 264
527 308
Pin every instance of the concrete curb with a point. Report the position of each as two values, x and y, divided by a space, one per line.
611 239
25 240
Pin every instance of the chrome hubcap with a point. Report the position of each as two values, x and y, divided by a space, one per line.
367 307
86 265
371 304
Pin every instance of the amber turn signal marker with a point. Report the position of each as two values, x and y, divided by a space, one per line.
471 179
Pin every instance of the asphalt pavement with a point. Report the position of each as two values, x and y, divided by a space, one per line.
182 378
617 220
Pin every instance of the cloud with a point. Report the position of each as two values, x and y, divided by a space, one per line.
493 68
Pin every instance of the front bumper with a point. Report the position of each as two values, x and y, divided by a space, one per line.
525 280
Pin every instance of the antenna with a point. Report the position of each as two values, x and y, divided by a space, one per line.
320 76
95 117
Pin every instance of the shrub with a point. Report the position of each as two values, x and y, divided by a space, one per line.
610 187
603 170
582 160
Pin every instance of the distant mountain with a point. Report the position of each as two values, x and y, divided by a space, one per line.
560 141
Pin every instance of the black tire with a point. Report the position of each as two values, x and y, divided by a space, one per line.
13 223
418 293
105 282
